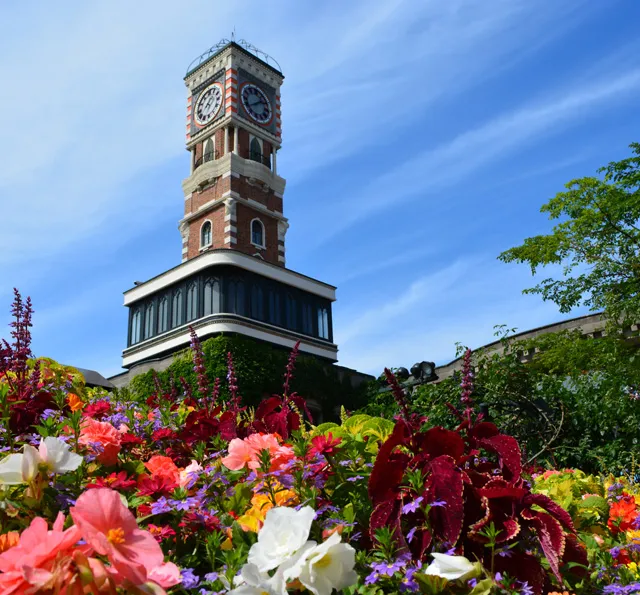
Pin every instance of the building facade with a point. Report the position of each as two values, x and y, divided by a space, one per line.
232 276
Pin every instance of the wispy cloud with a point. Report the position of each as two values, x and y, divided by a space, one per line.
461 303
451 162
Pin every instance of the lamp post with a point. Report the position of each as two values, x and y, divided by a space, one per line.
421 373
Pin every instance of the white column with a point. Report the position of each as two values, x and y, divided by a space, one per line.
275 166
235 139
193 159
226 139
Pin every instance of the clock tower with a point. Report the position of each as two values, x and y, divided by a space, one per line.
232 276
233 194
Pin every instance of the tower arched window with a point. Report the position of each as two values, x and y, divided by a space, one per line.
255 150
257 302
235 297
163 315
205 234
192 301
211 297
323 323
208 153
136 326
176 309
149 320
257 233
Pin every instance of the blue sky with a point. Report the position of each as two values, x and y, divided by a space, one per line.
420 139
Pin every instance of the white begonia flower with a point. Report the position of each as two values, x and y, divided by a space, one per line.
284 532
23 467
450 567
326 567
56 455
253 582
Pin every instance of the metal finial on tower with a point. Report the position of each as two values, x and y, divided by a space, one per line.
233 34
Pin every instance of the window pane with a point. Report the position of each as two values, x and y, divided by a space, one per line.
211 297
274 308
148 321
192 302
290 312
163 315
135 326
176 311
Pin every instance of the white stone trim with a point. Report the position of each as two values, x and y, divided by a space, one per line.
230 162
229 228
225 256
264 233
226 326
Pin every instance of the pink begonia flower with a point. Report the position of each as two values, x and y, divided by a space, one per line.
186 475
34 556
247 452
104 434
110 528
161 466
165 575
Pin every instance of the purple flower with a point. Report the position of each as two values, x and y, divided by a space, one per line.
615 552
211 577
412 506
189 580
386 568
161 506
355 478
372 578
438 504
411 534
525 588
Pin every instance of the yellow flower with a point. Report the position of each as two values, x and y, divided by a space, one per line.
633 567
261 503
633 535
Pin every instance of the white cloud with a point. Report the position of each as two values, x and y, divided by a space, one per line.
451 162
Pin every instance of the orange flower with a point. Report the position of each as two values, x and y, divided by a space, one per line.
161 466
622 514
8 540
97 432
75 402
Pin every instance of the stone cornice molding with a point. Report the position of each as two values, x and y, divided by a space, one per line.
227 256
212 170
228 201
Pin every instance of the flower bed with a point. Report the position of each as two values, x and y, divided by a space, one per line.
187 492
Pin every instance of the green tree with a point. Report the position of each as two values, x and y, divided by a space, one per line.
597 242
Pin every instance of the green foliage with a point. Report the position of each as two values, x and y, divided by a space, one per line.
260 371
573 405
597 242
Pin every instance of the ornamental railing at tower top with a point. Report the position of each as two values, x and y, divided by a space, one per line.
208 156
260 158
245 45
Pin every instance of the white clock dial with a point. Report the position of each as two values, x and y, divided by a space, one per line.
256 103
208 104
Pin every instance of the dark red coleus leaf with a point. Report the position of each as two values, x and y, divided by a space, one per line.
552 508
388 470
506 447
438 441
445 485
551 537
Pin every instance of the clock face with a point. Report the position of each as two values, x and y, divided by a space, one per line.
208 104
256 103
